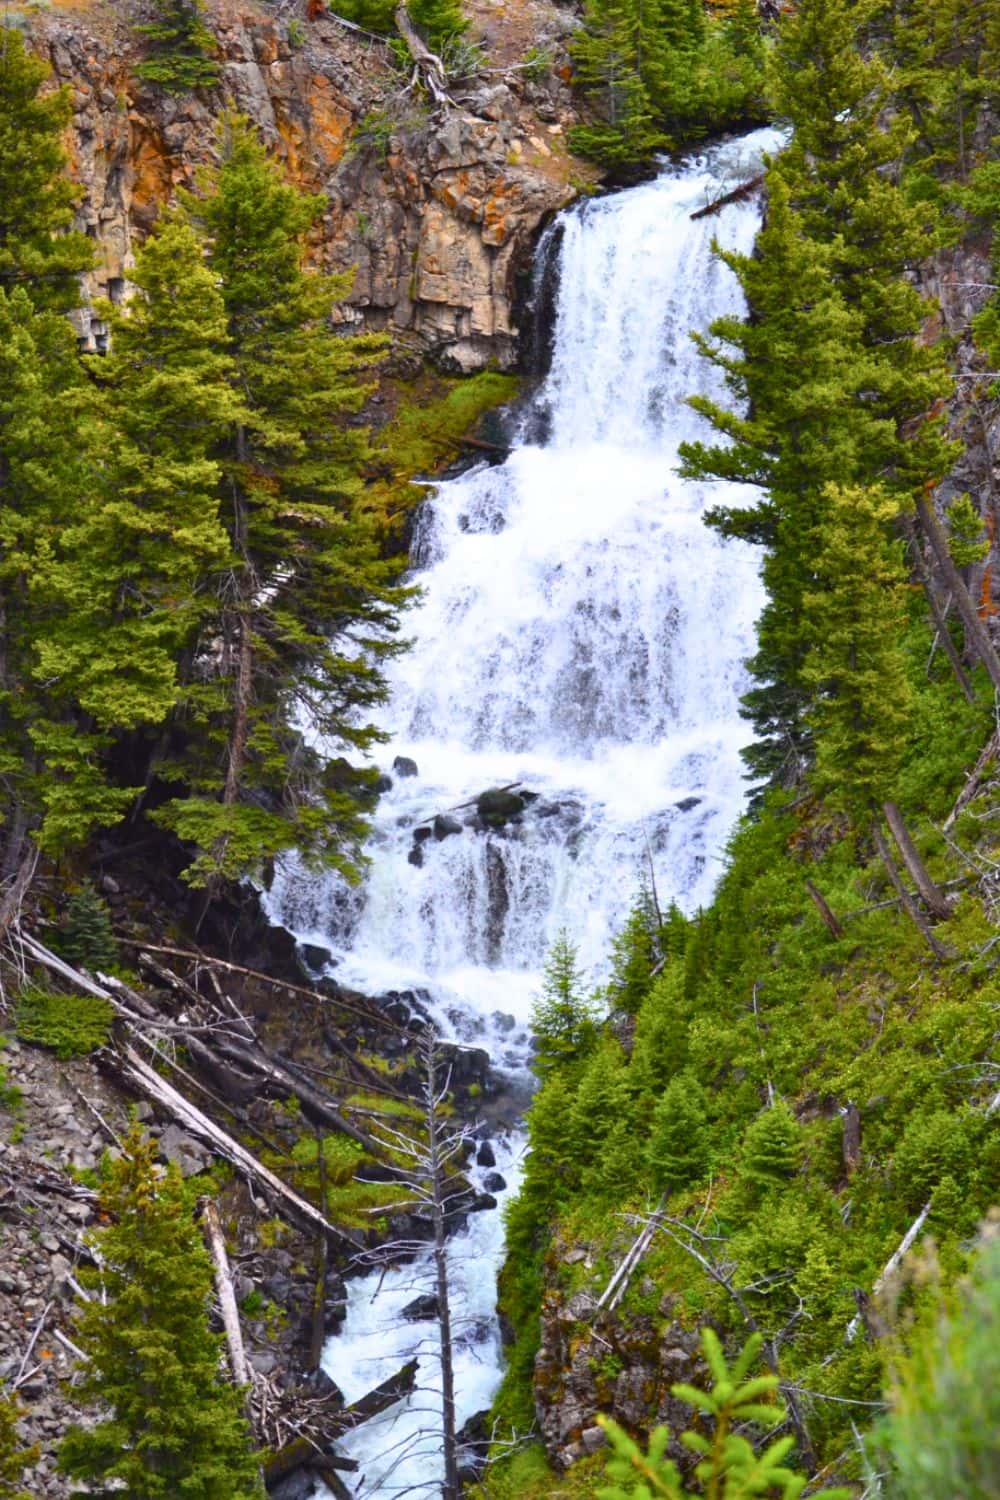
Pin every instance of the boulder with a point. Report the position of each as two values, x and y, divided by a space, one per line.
494 1182
445 825
404 766
383 783
485 1156
188 1154
421 1309
496 807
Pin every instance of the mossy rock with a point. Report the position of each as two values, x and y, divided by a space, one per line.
496 807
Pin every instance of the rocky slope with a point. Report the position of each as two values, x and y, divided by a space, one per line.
438 212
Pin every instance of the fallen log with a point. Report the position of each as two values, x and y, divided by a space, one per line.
396 1388
224 1291
302 1453
736 196
315 1106
147 1081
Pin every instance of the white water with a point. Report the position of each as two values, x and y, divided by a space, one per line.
581 632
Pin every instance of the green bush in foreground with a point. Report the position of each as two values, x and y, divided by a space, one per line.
728 1467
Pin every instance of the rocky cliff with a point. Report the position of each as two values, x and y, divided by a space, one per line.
438 212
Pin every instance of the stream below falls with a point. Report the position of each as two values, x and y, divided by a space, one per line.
582 633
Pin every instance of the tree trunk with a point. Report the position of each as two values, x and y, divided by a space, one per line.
934 899
450 1489
852 1138
909 905
429 66
976 633
819 901
937 614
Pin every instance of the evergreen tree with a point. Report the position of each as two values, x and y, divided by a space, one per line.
659 1044
180 47
174 1427
301 619
772 1147
87 936
634 954
677 1150
563 1018
607 61
856 666
15 1456
38 249
130 567
602 1099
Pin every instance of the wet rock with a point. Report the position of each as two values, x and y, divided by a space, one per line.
493 1182
503 1021
481 1202
300 1485
421 1309
445 826
383 783
496 807
323 1385
687 803
422 834
416 857
404 766
474 1437
485 1156
315 957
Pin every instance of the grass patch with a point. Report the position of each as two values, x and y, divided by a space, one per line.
72 1025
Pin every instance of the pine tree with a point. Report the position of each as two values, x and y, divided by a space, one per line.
87 936
677 1149
634 955
306 612
563 1018
772 1147
607 61
602 1099
180 48
15 1456
659 1044
174 1427
856 666
129 567
38 249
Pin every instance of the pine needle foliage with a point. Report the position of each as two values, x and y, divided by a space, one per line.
180 48
175 1428
38 248
87 938
728 1466
563 1018
15 1455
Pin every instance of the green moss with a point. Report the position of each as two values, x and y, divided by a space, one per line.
432 415
72 1025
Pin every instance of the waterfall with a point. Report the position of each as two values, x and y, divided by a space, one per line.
581 634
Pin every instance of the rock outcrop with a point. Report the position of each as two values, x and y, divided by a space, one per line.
435 212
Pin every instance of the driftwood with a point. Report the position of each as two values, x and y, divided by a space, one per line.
736 196
148 1082
973 781
428 67
371 1014
315 1106
215 1240
618 1285
934 899
305 1452
892 1264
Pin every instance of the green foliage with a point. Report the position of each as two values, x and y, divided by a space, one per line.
966 540
87 939
728 1468
656 75
945 1389
180 48
563 1018
373 133
15 1455
436 20
772 1147
72 1025
677 1152
38 249
173 1427
634 954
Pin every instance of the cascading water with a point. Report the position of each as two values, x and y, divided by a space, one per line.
581 634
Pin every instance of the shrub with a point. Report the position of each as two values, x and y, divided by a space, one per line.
87 939
72 1025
